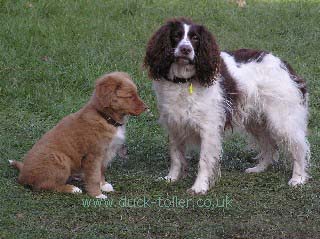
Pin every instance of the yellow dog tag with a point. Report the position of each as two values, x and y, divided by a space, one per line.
190 88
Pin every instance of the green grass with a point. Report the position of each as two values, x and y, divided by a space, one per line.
50 54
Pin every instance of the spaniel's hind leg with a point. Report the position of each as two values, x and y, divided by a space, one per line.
290 127
265 158
268 149
300 152
178 164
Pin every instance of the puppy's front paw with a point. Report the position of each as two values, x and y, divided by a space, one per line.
76 190
107 187
101 196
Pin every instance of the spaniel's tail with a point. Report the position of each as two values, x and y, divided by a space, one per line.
16 164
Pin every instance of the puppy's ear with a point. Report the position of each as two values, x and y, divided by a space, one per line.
207 58
159 52
105 90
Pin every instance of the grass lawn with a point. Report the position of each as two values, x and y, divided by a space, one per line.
51 52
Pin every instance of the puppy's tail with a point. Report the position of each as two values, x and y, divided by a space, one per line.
16 164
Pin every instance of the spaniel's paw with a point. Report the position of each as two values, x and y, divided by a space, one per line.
198 189
296 181
193 191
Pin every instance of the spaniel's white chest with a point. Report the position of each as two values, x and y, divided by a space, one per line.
181 110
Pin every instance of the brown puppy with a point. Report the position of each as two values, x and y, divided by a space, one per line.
83 142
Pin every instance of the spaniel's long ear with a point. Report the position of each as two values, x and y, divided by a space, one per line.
159 53
207 58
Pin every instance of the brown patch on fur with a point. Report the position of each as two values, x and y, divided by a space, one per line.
229 84
231 94
207 58
248 55
79 141
301 83
159 53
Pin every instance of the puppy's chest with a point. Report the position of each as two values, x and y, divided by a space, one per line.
118 138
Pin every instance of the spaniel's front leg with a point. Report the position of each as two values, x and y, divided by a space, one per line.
178 163
209 165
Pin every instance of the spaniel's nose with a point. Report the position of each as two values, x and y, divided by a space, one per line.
185 49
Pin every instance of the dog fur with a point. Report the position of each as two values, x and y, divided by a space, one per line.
248 89
83 142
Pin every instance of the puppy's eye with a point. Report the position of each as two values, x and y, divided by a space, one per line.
195 38
123 94
127 96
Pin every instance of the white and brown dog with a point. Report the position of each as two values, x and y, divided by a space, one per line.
202 91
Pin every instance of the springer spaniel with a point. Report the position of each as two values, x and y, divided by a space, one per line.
201 92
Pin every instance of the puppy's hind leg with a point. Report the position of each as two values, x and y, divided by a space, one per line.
16 164
178 163
52 175
68 188
53 186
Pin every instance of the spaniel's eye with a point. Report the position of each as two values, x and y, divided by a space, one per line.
195 38
176 36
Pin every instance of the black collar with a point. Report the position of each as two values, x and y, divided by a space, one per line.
109 119
178 80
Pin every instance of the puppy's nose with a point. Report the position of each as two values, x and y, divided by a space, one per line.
185 49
